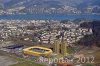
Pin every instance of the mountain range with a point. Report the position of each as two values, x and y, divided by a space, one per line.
78 4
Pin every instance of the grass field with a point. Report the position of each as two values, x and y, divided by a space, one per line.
26 63
22 62
95 53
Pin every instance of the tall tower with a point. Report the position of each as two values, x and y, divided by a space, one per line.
60 47
64 48
57 46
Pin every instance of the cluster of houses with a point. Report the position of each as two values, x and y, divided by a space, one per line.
16 28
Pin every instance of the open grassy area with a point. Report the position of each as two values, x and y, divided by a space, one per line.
87 65
97 56
92 52
70 50
27 63
21 62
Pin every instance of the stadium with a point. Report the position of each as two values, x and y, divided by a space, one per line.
37 51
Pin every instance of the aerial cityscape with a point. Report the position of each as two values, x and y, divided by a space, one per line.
49 33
